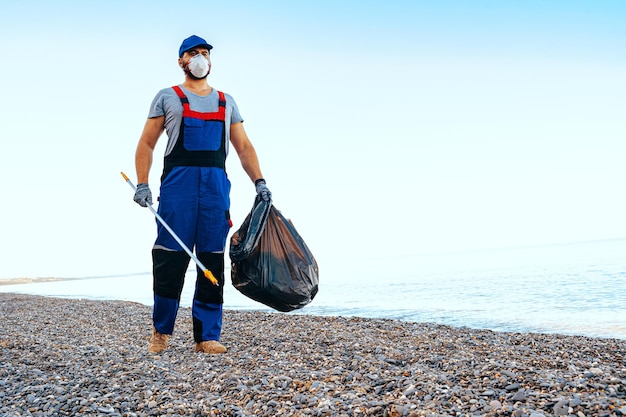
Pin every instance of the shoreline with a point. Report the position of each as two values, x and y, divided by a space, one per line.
564 324
89 357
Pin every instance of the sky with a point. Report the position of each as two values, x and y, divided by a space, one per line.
384 128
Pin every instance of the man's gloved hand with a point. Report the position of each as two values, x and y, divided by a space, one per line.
262 190
143 195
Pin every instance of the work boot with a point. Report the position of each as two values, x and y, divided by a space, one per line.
158 342
210 346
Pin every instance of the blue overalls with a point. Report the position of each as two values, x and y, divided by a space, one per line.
194 201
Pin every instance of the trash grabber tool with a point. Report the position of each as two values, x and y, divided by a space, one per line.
208 274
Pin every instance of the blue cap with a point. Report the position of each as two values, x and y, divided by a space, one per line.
192 42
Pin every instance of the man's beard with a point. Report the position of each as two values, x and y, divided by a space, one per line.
193 77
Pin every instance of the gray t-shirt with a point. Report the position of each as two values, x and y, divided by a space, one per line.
167 103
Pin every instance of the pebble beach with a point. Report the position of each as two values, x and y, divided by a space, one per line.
68 357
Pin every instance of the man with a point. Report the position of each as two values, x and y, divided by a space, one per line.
194 201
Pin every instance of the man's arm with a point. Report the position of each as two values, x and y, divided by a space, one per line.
245 151
145 148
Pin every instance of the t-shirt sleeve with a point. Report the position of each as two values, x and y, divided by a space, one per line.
157 108
235 116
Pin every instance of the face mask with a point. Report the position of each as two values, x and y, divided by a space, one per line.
198 66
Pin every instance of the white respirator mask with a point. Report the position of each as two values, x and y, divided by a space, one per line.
198 66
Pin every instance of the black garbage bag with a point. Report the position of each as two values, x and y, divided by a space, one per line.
270 263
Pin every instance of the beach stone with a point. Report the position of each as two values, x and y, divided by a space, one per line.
519 396
574 401
495 404
509 373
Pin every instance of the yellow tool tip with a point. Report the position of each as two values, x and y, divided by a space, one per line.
209 275
124 175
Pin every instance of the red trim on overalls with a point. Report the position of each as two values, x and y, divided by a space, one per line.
220 114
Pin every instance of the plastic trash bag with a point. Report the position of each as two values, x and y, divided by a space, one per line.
270 263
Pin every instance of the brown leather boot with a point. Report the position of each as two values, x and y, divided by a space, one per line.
158 342
210 346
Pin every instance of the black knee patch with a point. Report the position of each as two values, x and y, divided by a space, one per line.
206 292
168 271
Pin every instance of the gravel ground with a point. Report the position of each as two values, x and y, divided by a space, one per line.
63 357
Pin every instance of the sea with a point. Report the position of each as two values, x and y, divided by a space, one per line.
573 289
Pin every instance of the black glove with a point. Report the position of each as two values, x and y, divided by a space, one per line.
262 190
143 195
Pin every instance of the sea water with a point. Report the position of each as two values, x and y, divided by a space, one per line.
577 289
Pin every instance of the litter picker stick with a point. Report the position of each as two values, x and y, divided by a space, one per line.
208 274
